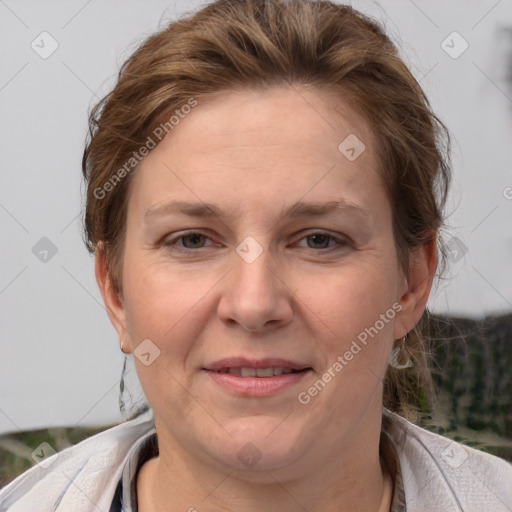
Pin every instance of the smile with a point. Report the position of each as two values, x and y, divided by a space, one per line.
240 376
271 371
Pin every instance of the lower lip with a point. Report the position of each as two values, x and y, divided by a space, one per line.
256 386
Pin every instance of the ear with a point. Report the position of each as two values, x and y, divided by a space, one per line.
416 290
113 302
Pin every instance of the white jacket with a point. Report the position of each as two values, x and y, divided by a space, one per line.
438 475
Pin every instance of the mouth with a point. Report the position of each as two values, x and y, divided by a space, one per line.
270 371
253 378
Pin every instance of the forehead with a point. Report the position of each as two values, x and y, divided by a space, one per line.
274 143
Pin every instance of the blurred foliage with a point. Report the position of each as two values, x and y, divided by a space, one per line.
16 448
472 370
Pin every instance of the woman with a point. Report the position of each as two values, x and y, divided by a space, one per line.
265 187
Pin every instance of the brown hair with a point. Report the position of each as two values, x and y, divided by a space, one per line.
251 44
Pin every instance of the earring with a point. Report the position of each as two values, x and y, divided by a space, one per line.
122 348
399 358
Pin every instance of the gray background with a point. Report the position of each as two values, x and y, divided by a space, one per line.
59 360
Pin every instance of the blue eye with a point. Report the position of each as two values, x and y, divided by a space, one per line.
191 240
196 240
321 240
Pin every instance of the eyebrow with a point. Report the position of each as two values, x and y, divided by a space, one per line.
298 209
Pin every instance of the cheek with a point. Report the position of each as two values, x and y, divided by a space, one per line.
354 314
170 309
161 304
354 340
350 299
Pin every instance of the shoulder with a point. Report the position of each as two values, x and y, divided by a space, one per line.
444 475
84 473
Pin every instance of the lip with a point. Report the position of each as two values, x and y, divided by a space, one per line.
256 386
239 362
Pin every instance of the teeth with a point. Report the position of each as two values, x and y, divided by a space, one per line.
264 372
248 372
256 372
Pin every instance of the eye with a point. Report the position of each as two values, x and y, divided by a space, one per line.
197 240
322 240
190 240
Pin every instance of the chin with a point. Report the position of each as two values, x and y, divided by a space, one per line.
262 443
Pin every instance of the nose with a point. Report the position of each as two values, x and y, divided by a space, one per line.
255 295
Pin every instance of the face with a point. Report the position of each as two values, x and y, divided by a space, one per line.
260 264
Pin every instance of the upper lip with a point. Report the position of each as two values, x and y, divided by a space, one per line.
242 362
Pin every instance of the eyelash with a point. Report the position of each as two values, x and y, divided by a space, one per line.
171 243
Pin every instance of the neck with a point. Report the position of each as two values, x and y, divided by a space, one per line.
340 480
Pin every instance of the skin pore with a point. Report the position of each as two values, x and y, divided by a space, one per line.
319 279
